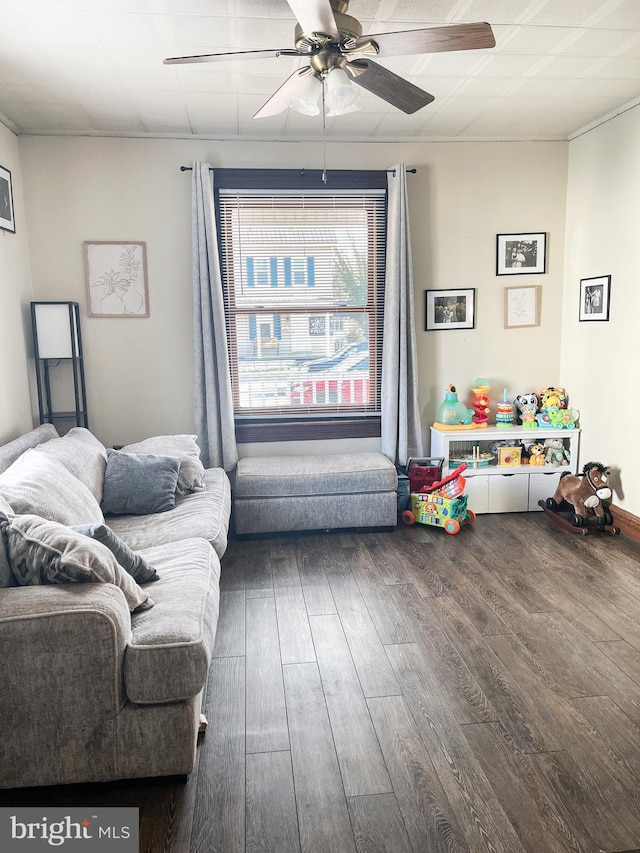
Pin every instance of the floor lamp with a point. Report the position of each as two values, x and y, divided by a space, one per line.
56 341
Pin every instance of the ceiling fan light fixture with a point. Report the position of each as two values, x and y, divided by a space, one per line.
341 92
340 111
306 97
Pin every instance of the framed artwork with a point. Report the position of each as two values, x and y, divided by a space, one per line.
450 309
522 306
7 218
521 254
594 298
116 278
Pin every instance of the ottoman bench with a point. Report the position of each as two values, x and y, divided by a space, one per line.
284 493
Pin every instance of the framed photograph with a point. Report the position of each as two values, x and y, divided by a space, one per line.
594 298
522 306
7 218
116 278
450 309
521 254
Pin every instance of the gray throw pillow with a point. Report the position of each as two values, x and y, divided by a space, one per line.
136 484
131 562
45 552
185 447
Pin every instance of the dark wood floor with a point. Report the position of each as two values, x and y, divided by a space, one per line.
413 691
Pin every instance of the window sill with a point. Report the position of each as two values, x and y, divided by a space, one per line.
255 430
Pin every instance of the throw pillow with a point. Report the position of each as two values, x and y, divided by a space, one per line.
131 562
38 485
45 552
82 455
139 484
185 447
6 575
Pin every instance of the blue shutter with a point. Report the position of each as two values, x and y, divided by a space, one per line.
251 280
277 327
273 264
287 272
252 325
311 276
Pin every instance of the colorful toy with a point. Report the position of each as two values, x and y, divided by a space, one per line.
424 473
586 493
481 403
505 413
452 414
555 453
562 418
553 397
442 504
536 454
527 406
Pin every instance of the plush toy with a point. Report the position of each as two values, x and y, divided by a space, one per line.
586 493
527 406
553 397
555 454
537 454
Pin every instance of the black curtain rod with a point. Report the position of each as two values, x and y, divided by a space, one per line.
212 169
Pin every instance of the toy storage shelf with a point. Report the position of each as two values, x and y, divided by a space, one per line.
503 488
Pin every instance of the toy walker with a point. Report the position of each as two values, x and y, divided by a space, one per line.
436 500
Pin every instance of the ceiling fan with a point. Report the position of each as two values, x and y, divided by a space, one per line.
340 56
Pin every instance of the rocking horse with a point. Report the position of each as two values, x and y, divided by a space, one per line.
586 493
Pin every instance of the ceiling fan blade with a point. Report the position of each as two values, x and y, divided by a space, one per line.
389 86
315 16
431 40
238 54
277 103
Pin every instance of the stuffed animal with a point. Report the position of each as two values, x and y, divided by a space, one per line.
586 493
555 454
553 397
537 454
527 406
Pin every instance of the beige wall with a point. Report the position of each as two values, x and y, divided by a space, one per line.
139 371
600 359
15 295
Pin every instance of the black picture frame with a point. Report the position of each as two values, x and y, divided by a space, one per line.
595 295
446 310
521 254
7 212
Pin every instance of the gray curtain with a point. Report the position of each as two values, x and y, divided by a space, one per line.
401 432
213 404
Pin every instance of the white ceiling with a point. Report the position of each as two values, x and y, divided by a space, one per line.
95 67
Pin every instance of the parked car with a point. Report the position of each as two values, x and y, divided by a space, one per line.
322 364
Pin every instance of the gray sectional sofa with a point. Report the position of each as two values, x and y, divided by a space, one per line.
92 689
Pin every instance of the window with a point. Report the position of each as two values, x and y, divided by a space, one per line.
303 276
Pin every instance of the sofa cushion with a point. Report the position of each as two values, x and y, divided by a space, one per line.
200 514
185 447
10 451
45 552
131 562
38 485
82 455
331 474
139 484
171 646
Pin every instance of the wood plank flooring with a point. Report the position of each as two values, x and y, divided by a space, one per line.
412 692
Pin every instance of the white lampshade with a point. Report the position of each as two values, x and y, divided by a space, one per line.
341 92
55 329
306 97
340 111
